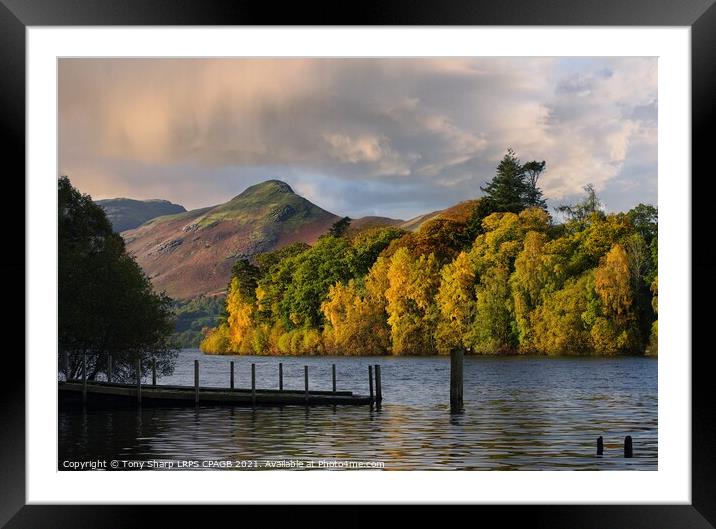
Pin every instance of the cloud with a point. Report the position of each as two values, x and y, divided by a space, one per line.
191 130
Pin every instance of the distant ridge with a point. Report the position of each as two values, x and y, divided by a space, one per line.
128 213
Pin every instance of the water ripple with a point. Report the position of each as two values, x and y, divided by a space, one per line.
520 414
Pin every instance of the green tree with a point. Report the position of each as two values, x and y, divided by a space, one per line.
533 194
494 330
514 187
265 261
368 244
105 302
507 189
340 227
582 211
645 219
247 276
314 272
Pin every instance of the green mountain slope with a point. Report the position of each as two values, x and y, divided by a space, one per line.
191 253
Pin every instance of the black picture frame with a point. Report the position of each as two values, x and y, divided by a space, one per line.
699 15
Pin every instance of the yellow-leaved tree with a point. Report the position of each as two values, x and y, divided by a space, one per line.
614 332
355 322
412 313
456 303
557 325
240 319
653 348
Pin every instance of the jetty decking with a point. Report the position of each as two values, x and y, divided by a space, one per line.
110 392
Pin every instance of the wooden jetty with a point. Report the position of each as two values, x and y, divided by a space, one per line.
136 393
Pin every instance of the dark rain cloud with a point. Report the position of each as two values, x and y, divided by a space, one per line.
393 137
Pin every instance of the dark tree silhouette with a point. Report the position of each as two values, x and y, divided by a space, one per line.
105 302
340 227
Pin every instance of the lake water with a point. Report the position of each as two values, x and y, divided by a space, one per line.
521 413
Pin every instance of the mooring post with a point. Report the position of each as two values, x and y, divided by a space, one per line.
84 378
305 380
370 383
456 358
231 376
600 446
378 387
334 378
139 380
196 381
109 367
154 372
628 448
253 384
280 376
66 360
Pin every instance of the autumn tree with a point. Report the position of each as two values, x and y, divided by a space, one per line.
493 275
355 323
653 348
456 302
533 278
493 330
412 315
614 332
558 327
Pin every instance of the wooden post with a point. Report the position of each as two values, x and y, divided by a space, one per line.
253 384
139 380
109 367
378 388
231 377
84 378
154 372
334 377
370 383
600 446
196 381
280 376
305 380
628 448
456 358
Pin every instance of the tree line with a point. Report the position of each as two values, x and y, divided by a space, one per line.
496 275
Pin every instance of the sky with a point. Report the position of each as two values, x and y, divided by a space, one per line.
395 137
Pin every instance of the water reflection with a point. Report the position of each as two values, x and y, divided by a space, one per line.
520 414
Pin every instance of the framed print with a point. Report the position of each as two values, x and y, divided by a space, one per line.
416 252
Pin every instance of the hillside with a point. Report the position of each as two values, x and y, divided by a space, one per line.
364 223
127 213
191 253
460 212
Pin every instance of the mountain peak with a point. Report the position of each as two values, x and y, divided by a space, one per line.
267 187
